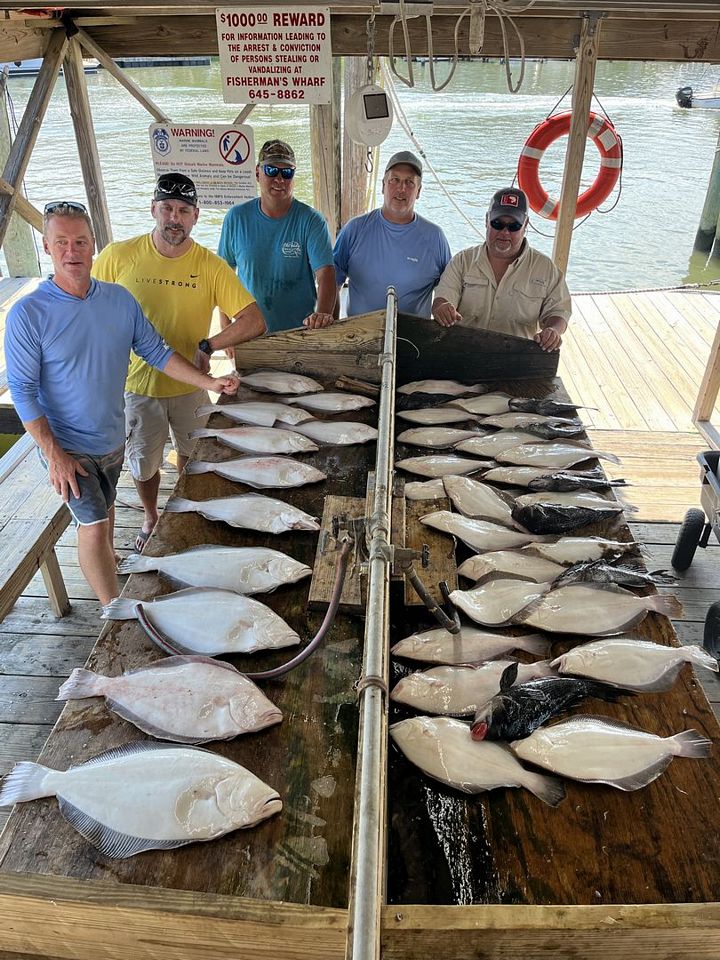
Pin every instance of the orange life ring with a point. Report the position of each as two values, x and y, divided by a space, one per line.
606 139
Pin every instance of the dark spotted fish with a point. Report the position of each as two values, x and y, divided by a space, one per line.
566 480
548 408
598 571
545 518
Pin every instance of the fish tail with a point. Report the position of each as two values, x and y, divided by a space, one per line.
668 605
534 643
603 691
545 668
606 456
179 505
136 563
121 608
548 789
206 409
701 658
199 466
690 743
80 684
619 496
201 432
24 782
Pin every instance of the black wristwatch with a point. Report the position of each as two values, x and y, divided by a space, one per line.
204 345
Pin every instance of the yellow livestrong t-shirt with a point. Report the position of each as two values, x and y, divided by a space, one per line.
177 294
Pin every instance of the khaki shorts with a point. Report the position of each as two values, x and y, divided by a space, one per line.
147 423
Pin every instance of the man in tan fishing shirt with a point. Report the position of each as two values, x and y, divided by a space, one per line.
503 284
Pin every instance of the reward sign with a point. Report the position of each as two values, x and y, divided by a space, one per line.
275 55
219 158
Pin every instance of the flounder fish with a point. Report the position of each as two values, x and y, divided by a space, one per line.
488 405
477 534
512 563
545 478
242 569
441 747
425 490
258 439
331 402
183 699
597 750
261 472
469 646
569 550
444 388
249 511
441 465
277 381
342 433
207 621
432 416
148 796
494 443
440 438
479 500
551 512
519 421
546 407
553 453
497 602
597 571
259 413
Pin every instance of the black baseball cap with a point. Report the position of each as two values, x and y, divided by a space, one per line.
176 186
509 202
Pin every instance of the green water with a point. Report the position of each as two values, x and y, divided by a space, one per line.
6 441
472 133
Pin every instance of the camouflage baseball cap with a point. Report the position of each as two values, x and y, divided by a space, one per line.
276 151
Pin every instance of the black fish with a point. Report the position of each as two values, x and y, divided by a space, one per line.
566 480
516 711
553 429
557 518
600 571
547 408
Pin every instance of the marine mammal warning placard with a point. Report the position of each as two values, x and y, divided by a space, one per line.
275 54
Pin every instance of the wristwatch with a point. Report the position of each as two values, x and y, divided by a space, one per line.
205 347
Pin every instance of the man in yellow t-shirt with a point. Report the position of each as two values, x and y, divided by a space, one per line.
178 284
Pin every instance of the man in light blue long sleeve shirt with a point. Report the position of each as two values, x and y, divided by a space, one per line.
67 346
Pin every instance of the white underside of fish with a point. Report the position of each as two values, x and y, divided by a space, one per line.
208 621
438 437
261 472
337 432
599 751
242 569
332 402
184 699
259 439
249 511
478 534
516 421
486 406
634 664
260 413
277 381
495 603
444 388
514 563
469 646
479 500
442 748
495 443
148 796
516 476
571 498
441 465
432 416
552 453
569 550
425 490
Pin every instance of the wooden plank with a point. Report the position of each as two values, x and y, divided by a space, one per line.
710 385
355 176
29 699
31 616
29 544
45 655
325 566
54 584
20 741
442 564
398 522
325 154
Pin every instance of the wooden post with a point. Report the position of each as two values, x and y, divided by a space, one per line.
325 153
20 253
355 176
87 144
35 109
706 232
585 62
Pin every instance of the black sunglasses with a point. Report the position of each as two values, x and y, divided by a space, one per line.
55 205
270 170
170 186
513 226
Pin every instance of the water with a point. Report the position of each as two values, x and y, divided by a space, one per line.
472 133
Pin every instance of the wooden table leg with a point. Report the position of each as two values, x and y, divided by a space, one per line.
55 585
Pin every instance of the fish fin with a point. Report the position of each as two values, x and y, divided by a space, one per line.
136 563
180 505
24 782
642 778
544 668
666 605
548 789
606 691
534 643
601 455
121 608
701 658
110 843
206 409
690 743
81 684
202 432
663 577
200 466
126 750
180 659
508 676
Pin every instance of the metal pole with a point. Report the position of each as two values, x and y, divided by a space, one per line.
367 869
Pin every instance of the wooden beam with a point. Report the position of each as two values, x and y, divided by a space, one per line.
581 101
708 392
87 144
122 78
30 125
23 207
355 176
21 41
325 154
244 113
20 252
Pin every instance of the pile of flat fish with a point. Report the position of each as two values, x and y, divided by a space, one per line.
441 747
207 621
441 465
443 388
434 416
261 472
469 646
249 511
242 569
343 433
183 699
258 413
597 750
331 402
635 664
148 796
553 453
258 439
554 512
278 381
441 438
477 534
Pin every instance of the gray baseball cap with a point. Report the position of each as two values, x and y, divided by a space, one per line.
509 202
404 156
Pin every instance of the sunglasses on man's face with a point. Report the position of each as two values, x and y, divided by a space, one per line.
500 225
55 205
172 186
270 170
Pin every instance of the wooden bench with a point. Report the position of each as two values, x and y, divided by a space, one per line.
32 519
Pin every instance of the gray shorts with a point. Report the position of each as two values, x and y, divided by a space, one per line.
97 489
148 420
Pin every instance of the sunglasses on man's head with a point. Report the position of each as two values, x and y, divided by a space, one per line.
270 170
173 186
55 205
499 225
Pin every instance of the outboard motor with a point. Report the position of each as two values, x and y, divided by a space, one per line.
684 96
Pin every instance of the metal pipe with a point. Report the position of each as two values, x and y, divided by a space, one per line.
366 871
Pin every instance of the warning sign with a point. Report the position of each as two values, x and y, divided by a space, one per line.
219 158
275 55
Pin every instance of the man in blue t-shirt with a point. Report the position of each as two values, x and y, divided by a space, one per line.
281 248
392 246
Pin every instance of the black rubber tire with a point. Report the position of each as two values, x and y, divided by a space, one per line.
711 635
688 539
